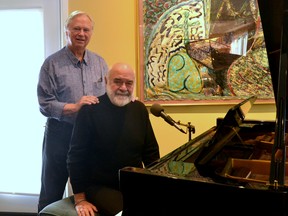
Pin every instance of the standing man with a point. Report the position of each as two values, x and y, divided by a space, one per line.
68 79
107 136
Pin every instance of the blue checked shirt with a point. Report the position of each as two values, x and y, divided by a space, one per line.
64 79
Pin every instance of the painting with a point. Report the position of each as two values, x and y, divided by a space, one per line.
202 52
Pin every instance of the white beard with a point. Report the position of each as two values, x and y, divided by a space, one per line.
118 99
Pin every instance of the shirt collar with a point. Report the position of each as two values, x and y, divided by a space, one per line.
75 60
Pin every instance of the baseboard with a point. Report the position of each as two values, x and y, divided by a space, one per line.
17 214
18 204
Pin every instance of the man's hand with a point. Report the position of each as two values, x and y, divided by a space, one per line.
83 207
84 100
88 100
134 98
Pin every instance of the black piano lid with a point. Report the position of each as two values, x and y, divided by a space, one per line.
274 18
271 13
225 131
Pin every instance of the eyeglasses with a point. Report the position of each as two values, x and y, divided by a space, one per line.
120 82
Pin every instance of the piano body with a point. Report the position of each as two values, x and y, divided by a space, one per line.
237 167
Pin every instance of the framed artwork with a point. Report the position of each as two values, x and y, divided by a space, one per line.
202 52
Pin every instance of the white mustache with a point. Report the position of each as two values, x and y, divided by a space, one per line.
127 94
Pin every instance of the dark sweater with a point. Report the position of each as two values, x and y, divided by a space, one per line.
107 138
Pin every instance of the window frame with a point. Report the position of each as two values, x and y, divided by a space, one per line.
53 41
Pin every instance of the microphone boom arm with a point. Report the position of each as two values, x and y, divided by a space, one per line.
157 110
190 128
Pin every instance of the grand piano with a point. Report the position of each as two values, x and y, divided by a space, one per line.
237 167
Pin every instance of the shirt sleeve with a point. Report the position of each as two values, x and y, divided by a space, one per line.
49 106
151 151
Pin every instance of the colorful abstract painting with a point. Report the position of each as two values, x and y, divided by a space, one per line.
202 51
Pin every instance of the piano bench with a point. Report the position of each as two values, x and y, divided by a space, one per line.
64 207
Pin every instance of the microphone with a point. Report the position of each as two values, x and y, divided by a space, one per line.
157 110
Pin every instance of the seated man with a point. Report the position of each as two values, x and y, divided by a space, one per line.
108 136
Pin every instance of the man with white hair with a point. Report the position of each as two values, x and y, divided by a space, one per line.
107 136
68 79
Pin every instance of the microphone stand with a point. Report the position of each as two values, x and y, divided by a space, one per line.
190 128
